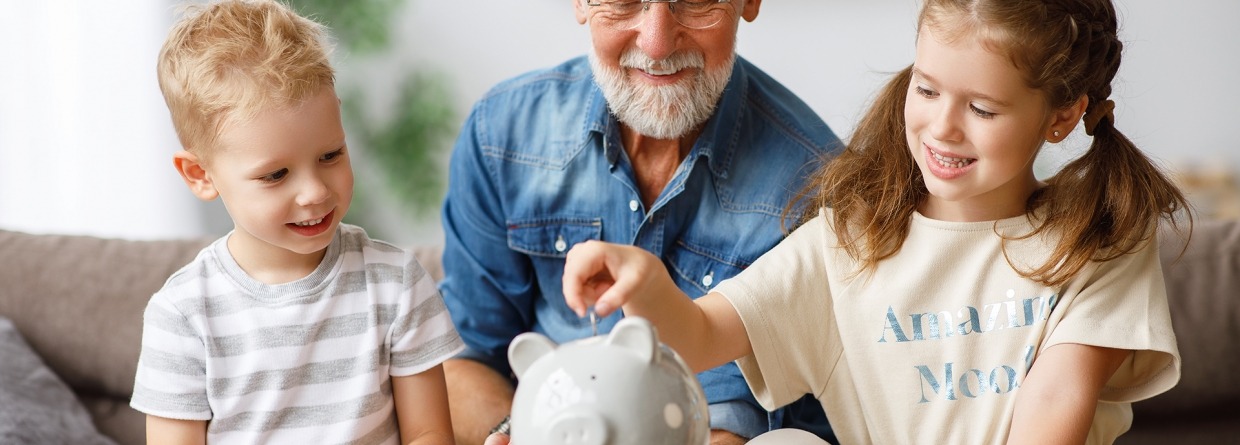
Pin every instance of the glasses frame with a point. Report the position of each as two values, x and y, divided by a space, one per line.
671 4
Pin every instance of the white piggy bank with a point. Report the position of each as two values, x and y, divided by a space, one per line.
622 389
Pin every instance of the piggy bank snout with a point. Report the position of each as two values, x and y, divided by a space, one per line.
578 429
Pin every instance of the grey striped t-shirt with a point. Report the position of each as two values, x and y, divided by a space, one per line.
301 362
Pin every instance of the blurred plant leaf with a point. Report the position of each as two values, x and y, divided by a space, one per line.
362 26
407 147
404 145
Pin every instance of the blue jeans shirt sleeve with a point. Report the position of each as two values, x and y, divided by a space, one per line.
740 418
489 289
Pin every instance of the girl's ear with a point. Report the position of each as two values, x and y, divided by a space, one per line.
1065 119
195 175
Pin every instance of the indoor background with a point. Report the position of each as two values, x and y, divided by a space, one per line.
86 143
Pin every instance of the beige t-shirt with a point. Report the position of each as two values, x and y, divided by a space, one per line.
933 345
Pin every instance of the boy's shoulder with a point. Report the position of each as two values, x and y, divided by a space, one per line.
362 251
354 238
193 274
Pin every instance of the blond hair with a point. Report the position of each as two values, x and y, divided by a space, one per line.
1100 206
231 59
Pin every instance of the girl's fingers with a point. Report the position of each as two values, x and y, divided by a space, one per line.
584 262
604 274
615 295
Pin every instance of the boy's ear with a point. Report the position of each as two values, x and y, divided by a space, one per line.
195 175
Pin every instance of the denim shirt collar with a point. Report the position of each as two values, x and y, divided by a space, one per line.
718 140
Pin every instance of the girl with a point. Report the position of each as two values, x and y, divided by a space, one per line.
936 291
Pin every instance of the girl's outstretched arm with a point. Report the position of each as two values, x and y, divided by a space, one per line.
1056 402
706 332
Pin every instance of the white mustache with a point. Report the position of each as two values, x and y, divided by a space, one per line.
634 58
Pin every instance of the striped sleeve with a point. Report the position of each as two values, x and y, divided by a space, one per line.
171 377
422 334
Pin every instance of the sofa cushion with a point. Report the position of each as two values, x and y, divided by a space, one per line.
35 405
78 301
116 419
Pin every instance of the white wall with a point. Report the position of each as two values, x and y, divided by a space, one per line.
1178 95
833 53
1174 93
85 143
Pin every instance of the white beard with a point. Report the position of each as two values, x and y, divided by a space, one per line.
662 112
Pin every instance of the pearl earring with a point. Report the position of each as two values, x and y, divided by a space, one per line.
1056 133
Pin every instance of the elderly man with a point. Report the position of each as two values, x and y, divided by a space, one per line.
662 138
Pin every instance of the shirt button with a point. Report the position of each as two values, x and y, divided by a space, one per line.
560 245
709 279
633 205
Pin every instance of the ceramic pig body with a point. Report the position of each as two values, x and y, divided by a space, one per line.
622 389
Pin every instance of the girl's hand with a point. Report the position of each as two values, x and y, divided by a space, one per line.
610 276
707 332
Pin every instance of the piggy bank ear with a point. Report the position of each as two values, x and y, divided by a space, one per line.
526 349
637 335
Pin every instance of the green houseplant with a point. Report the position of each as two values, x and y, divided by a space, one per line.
400 171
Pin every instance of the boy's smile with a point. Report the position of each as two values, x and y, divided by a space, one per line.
313 227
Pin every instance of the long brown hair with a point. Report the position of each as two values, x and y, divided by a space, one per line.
1102 205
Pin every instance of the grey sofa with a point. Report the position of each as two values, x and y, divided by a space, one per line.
78 301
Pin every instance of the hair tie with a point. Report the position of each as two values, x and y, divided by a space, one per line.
1094 116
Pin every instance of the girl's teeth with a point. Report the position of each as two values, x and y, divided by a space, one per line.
310 223
948 161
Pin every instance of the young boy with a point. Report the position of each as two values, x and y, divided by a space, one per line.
293 328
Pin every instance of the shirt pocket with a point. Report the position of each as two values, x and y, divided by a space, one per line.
552 237
547 241
696 270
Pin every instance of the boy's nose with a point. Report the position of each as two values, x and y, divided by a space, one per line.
312 191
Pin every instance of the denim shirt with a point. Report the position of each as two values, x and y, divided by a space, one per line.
539 166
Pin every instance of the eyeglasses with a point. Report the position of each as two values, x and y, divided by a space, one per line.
628 14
